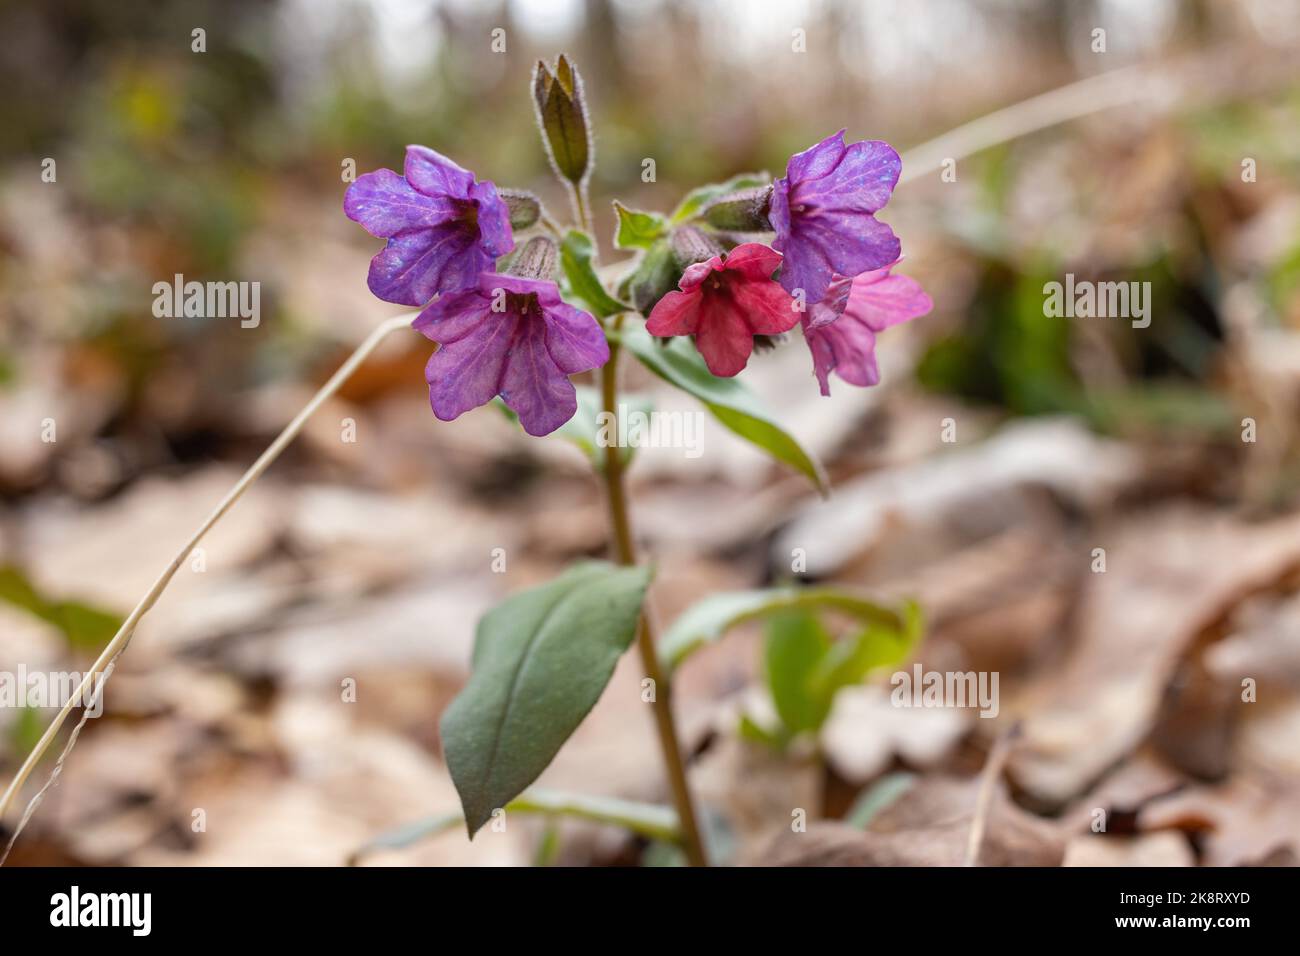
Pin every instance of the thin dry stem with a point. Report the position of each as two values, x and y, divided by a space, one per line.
123 636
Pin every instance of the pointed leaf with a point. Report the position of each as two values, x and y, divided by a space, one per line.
541 661
706 621
636 229
577 254
794 647
731 402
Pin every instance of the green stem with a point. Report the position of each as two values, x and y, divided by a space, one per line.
582 208
647 820
624 551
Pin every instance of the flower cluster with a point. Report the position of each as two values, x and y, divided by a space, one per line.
828 268
497 334
509 333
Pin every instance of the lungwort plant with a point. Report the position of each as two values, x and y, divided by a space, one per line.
515 306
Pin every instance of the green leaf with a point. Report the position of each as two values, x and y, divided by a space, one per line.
700 197
880 796
83 627
749 729
541 661
636 229
876 645
795 645
576 257
730 402
708 620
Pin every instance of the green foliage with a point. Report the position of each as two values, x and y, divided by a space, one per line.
644 819
656 274
708 620
577 258
636 229
85 628
795 646
729 400
806 668
541 660
697 199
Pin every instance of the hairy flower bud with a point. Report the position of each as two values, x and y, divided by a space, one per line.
742 211
691 245
536 260
525 208
562 116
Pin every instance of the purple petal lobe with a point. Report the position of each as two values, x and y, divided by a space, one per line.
822 213
534 386
416 266
386 205
435 175
511 337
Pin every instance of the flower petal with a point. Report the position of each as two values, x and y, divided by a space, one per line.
881 300
416 266
452 316
724 337
847 347
533 385
821 246
753 260
574 339
818 160
677 313
385 205
862 181
493 219
766 307
467 372
435 175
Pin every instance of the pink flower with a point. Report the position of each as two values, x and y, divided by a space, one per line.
724 302
841 330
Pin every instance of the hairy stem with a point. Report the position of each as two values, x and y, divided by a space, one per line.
123 636
624 552
582 207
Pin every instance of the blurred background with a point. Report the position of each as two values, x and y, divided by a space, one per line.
1107 531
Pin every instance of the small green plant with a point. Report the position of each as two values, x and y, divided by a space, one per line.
516 305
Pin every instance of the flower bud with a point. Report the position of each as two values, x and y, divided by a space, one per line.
536 260
562 116
691 245
656 275
525 208
742 211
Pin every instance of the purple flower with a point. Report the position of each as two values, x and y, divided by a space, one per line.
524 350
841 330
823 213
442 227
